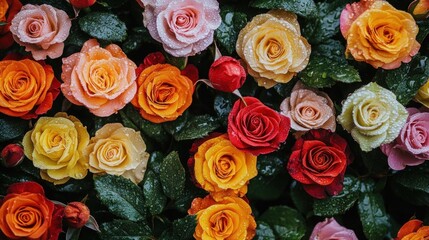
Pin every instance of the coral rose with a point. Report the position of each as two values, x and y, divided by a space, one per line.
42 30
413 230
379 34
28 88
229 218
318 161
184 28
256 128
55 145
163 93
422 95
272 47
8 10
309 109
25 213
76 214
219 166
101 79
330 229
117 150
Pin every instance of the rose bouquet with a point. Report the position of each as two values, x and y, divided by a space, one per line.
214 119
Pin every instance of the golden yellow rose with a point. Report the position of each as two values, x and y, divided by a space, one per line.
117 150
220 166
272 47
422 95
55 146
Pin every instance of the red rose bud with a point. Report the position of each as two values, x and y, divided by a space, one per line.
12 155
76 214
226 74
82 3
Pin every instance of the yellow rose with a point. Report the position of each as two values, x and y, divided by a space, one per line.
55 146
220 166
272 47
422 95
117 150
229 218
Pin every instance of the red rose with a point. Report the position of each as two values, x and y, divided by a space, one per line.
82 3
12 155
318 161
255 127
76 214
7 13
191 72
226 74
25 213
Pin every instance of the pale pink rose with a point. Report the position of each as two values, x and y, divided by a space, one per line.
101 79
411 147
184 27
331 230
308 109
42 30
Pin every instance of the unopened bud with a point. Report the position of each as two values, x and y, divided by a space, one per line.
76 214
12 155
82 3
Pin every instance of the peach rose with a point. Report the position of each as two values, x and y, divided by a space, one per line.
28 88
42 30
309 109
117 150
101 79
163 93
272 47
230 218
379 34
8 10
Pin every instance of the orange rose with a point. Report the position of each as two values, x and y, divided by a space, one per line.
8 10
25 213
163 93
28 88
413 230
230 218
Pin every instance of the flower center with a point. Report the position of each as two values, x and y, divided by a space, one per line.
34 29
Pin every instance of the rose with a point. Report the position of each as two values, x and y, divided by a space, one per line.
76 214
330 229
29 88
184 28
219 166
422 95
318 161
82 3
228 218
117 150
373 116
256 128
308 109
226 74
413 230
419 9
411 147
42 30
12 155
8 10
379 34
163 93
101 79
25 213
272 47
55 146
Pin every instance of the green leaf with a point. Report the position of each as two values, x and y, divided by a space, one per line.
125 230
373 216
264 231
286 222
63 5
412 185
375 161
305 8
269 165
197 127
267 188
423 30
172 175
76 36
184 228
111 3
155 161
155 199
227 33
11 128
179 62
332 49
136 39
300 198
223 103
175 126
121 196
406 80
342 202
3 24
104 26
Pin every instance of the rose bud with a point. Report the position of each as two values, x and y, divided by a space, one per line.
12 155
76 214
226 74
419 9
82 3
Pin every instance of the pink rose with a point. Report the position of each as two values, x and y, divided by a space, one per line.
309 109
101 79
42 30
411 147
330 229
185 27
226 74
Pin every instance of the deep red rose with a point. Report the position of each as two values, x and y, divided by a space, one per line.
82 3
226 74
318 161
12 155
255 127
6 39
191 72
